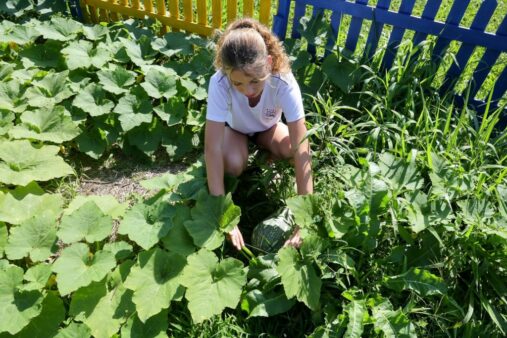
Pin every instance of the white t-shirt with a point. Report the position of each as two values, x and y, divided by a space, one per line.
281 93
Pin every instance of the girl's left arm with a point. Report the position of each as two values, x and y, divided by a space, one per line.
302 157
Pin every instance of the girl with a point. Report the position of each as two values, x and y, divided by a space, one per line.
251 88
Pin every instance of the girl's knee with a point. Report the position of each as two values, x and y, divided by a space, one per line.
234 164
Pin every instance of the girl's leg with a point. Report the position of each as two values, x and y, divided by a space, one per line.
276 140
235 150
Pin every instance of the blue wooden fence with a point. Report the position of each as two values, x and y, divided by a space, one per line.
450 30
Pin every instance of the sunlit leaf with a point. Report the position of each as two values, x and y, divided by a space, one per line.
88 222
160 82
60 28
53 124
104 306
156 277
299 278
212 216
77 267
418 280
83 54
17 308
50 90
211 285
93 100
116 79
34 238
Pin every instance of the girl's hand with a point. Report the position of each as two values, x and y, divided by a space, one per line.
236 238
294 239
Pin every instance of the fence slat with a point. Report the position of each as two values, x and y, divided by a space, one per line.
148 6
265 11
454 17
281 19
248 7
354 30
135 4
174 12
375 32
188 11
202 17
161 9
299 12
335 26
487 62
232 10
216 11
396 35
480 22
500 86
113 15
429 13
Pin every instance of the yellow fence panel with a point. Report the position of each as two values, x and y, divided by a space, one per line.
202 17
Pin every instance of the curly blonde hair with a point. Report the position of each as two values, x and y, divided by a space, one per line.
245 45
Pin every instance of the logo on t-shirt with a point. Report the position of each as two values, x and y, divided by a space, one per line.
269 113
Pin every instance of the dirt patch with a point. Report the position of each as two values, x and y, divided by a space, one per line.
122 178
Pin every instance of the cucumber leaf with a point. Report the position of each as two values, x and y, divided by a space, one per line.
418 280
116 79
93 100
154 327
83 54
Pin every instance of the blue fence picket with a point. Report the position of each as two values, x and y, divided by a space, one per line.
487 62
429 13
454 17
375 31
354 30
470 38
397 35
281 19
479 24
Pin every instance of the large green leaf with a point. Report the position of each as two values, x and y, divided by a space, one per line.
400 174
95 32
211 285
139 51
343 73
36 164
160 82
37 277
22 203
53 124
178 239
3 238
46 324
107 204
16 33
93 100
116 79
299 278
356 310
45 55
50 90
83 54
11 97
174 43
156 277
148 145
305 209
418 280
172 112
212 216
105 305
34 238
61 29
6 121
146 223
77 267
17 308
74 330
88 222
392 323
266 304
154 327
134 109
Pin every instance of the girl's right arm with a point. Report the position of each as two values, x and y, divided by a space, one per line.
213 140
